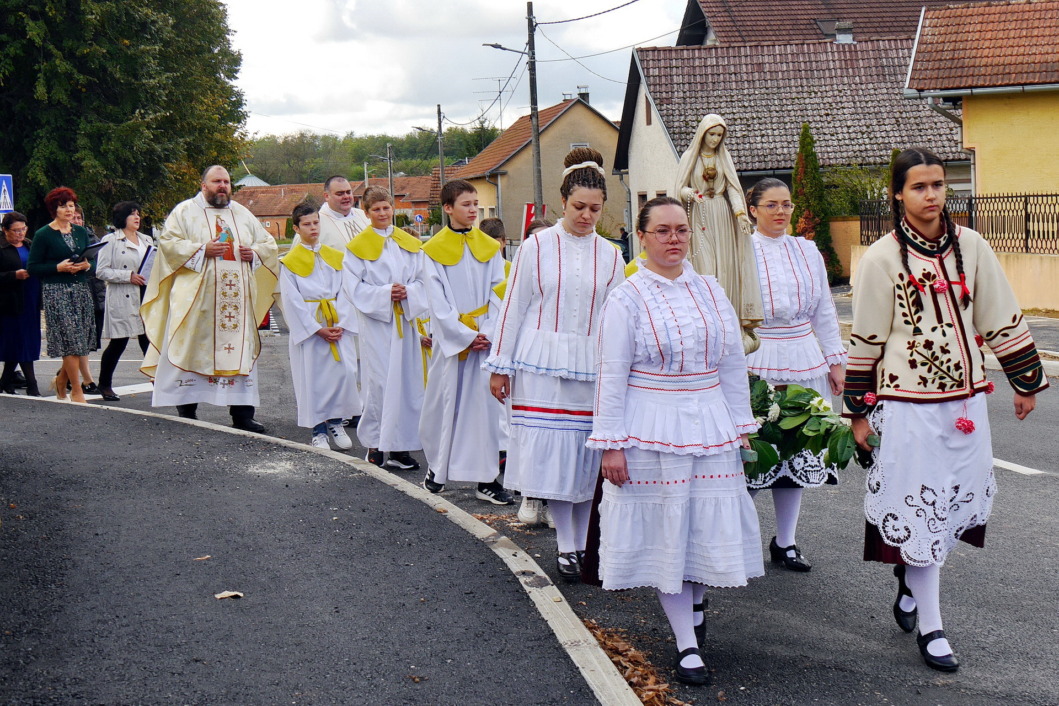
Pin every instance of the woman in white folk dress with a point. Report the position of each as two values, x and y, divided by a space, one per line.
800 343
544 355
672 411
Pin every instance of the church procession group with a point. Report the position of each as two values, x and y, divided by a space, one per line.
614 398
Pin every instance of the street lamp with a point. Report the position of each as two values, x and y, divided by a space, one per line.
535 124
389 166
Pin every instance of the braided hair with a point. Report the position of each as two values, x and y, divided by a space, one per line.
585 177
905 161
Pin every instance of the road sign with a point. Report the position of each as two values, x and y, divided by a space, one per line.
7 193
419 218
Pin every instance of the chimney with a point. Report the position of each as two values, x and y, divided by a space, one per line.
843 33
582 93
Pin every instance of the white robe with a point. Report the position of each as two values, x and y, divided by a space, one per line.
323 387
392 375
460 422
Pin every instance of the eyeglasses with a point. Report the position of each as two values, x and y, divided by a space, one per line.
665 235
787 207
18 231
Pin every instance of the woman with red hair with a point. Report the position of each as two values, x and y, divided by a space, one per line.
68 307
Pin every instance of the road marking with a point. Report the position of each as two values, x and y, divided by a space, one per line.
127 390
606 682
1008 466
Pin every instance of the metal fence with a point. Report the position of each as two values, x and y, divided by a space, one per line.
1023 223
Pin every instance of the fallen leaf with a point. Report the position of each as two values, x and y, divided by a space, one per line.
12 506
441 510
634 666
416 679
202 558
227 594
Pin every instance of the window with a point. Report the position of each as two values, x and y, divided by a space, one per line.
659 194
647 111
641 198
492 212
268 224
575 145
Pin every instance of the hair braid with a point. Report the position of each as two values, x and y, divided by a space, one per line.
586 177
950 228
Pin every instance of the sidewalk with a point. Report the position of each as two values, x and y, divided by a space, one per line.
353 592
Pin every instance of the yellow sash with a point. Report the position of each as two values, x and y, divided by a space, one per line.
470 320
446 247
327 315
368 244
398 313
501 289
421 324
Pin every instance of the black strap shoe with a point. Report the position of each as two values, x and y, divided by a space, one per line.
944 663
794 563
90 389
696 676
906 619
569 572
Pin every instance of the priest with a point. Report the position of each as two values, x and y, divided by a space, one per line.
211 285
339 219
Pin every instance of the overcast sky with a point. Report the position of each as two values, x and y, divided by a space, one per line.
381 66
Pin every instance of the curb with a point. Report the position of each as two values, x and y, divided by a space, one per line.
607 684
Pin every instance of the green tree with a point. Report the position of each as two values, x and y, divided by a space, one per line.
810 212
116 100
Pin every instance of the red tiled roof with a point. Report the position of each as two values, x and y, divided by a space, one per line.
850 94
279 200
768 21
510 142
407 188
987 46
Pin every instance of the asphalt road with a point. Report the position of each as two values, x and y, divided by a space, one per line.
826 637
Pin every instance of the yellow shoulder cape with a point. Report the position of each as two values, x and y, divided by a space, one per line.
368 245
300 260
634 265
446 247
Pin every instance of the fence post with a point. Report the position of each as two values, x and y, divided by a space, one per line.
1026 220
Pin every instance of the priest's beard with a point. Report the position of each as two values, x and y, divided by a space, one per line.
217 200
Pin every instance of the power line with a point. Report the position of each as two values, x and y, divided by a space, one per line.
611 51
605 78
498 95
294 122
596 14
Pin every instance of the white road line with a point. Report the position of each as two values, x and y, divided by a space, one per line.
1008 466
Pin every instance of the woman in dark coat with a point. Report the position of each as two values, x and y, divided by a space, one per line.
68 309
19 306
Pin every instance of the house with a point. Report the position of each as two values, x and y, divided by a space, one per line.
850 94
272 205
999 62
728 22
411 195
503 172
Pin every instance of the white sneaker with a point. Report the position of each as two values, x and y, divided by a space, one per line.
529 512
320 441
546 516
339 436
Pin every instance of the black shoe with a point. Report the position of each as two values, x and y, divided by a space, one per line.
571 570
494 493
374 457
8 389
109 395
431 485
19 380
352 422
402 461
31 389
187 411
696 676
700 630
906 619
249 424
945 663
795 563
90 389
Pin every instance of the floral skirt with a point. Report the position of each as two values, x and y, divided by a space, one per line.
70 316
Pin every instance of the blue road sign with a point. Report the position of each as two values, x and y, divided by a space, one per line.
7 193
419 218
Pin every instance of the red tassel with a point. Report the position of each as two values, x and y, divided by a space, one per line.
964 287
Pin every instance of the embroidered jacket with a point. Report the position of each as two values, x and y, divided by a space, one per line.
913 341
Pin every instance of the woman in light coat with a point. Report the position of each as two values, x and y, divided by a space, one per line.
119 265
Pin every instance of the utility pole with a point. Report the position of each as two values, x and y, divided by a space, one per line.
535 123
366 183
389 169
441 151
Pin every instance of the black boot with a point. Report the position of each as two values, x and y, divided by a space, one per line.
243 418
188 411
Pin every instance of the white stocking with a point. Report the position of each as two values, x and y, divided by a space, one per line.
677 607
582 513
788 503
563 516
925 584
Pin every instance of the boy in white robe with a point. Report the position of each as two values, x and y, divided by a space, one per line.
384 281
322 355
460 425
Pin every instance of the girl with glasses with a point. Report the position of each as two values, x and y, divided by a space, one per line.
800 344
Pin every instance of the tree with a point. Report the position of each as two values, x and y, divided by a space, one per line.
810 212
116 100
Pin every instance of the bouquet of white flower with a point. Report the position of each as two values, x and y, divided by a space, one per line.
794 418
